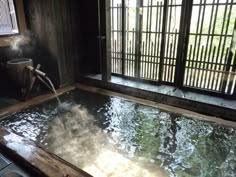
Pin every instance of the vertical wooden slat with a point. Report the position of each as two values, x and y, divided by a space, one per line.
220 73
232 48
127 21
223 70
221 36
198 60
207 44
155 42
210 79
173 56
232 78
123 9
119 39
202 69
190 67
199 78
214 82
170 63
113 37
146 42
227 27
126 60
117 34
214 74
158 43
210 47
168 43
133 54
130 59
142 72
138 37
116 59
149 42
226 72
152 63
195 46
127 55
163 38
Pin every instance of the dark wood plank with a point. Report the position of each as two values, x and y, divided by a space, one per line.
123 23
34 159
138 37
163 39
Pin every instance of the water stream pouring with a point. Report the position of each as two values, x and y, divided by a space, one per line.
44 79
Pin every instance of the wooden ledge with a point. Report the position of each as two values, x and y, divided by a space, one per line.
158 105
35 160
33 101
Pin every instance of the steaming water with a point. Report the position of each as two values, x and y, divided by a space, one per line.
109 136
54 90
18 41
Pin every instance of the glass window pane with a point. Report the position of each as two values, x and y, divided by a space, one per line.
8 21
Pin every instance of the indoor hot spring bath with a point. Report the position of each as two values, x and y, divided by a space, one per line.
109 136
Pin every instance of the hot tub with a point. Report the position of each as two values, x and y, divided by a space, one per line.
112 136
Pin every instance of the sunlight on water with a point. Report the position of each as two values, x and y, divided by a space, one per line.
74 137
113 164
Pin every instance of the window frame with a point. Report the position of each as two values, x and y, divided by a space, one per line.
6 39
17 23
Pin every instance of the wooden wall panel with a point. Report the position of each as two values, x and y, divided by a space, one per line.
63 37
51 22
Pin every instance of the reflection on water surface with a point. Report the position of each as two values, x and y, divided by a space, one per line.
110 136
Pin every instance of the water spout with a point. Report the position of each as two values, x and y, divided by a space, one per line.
54 90
45 80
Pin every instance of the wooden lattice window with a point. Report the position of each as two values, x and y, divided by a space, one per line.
186 43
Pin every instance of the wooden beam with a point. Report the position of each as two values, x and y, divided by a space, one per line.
182 48
104 37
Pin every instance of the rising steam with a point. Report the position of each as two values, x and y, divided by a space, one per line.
75 137
20 40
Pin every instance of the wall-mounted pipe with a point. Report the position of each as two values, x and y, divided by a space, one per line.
36 71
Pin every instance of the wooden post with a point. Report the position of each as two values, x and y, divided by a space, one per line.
123 35
105 38
183 41
138 37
